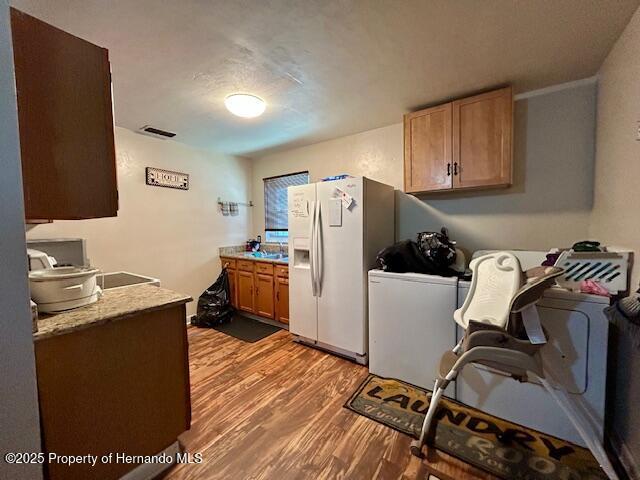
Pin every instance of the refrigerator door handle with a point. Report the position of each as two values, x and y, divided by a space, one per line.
312 227
319 252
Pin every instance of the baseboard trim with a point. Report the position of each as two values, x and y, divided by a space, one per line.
624 454
148 471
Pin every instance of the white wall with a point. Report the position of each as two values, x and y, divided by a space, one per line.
170 234
19 420
617 192
615 218
549 204
374 153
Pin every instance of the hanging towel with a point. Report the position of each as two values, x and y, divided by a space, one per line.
233 208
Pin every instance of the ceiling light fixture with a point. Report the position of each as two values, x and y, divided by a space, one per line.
245 105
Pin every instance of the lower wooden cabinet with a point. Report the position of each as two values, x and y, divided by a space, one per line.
121 386
261 288
246 291
264 295
233 289
232 272
282 299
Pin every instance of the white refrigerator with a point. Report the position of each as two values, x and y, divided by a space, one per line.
336 229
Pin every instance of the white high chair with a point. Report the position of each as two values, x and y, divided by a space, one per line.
503 332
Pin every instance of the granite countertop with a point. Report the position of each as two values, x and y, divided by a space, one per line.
115 304
242 256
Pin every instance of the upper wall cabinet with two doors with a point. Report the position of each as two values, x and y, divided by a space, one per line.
464 144
65 117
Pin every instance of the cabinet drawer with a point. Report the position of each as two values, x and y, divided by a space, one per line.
265 268
231 262
282 271
246 265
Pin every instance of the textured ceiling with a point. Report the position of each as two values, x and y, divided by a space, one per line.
326 68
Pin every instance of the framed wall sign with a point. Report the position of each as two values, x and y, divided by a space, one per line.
166 178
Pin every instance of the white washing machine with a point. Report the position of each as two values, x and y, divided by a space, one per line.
410 325
578 331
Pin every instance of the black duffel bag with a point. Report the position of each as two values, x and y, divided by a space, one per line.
406 256
437 247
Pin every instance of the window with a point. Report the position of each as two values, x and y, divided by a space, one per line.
276 224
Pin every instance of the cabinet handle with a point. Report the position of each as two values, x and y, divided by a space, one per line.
278 296
455 168
448 169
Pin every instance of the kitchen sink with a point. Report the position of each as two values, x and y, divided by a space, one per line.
124 279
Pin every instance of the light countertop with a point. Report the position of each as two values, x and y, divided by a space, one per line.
115 304
242 256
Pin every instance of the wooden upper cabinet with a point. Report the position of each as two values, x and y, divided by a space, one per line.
464 144
65 116
482 131
427 143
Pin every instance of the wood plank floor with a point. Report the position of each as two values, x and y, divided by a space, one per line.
274 410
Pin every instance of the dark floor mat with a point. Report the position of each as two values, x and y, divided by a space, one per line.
246 329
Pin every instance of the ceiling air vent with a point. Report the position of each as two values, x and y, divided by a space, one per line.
156 132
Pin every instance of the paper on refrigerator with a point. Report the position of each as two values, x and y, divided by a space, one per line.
300 206
347 200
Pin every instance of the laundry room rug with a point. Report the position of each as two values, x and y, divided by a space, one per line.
246 329
472 436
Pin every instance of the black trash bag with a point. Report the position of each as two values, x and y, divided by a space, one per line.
214 305
406 256
437 247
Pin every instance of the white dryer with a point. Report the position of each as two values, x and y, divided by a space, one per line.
410 325
579 332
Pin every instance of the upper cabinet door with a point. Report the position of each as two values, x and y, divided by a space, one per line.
482 140
427 149
65 116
